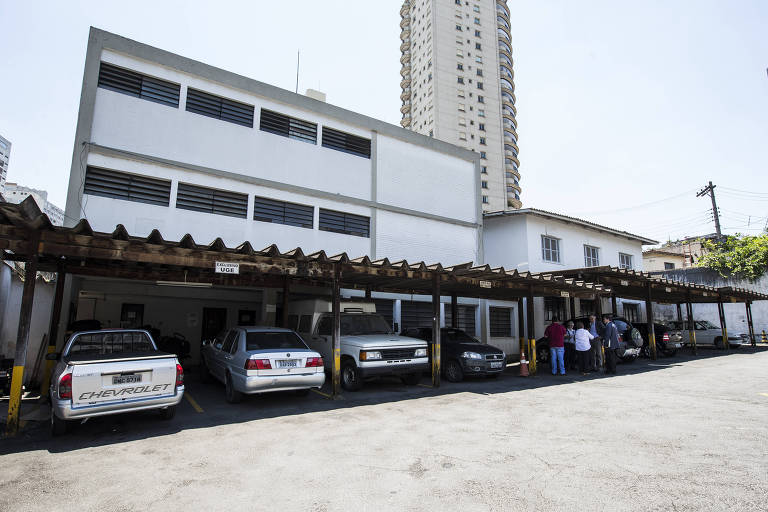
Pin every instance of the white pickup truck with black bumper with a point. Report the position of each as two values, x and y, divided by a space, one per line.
111 372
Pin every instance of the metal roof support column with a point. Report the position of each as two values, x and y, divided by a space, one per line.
691 326
750 323
286 296
572 301
336 310
368 291
53 330
723 327
454 311
22 339
532 357
614 307
436 330
521 328
679 312
649 319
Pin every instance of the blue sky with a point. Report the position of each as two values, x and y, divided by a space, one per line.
625 108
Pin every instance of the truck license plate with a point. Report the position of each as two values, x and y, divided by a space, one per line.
287 363
126 379
496 364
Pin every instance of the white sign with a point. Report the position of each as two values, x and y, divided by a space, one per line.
565 294
271 308
668 289
222 267
485 284
624 282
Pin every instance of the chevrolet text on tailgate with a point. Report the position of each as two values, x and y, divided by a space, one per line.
369 347
110 372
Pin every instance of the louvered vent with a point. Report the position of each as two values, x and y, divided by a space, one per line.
280 124
347 223
141 86
129 187
217 107
281 212
208 200
346 142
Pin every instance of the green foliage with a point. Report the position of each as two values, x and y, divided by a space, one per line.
741 256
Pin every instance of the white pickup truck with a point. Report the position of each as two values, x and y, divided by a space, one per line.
111 372
369 348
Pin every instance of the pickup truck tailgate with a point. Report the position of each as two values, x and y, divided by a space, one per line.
97 382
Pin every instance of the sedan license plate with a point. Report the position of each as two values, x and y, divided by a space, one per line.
126 379
496 364
287 363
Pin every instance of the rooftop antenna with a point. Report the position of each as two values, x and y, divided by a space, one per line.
298 58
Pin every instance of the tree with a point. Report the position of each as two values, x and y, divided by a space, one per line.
741 256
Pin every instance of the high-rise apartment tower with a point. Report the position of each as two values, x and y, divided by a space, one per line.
5 155
457 85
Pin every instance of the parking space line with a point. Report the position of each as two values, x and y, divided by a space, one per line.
426 386
321 393
193 403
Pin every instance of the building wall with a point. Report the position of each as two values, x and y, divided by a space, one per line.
5 156
654 261
15 193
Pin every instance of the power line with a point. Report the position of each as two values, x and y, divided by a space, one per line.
636 206
709 190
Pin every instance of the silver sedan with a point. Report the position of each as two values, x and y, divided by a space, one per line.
250 360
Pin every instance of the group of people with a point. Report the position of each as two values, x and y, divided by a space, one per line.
581 346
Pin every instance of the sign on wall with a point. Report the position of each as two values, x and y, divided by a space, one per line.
223 267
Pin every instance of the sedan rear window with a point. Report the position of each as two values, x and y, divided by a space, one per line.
111 343
272 340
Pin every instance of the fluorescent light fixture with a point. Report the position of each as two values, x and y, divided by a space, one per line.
184 284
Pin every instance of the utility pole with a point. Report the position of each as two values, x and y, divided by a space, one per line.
710 191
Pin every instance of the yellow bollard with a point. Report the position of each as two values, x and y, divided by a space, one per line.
14 401
534 357
602 350
764 339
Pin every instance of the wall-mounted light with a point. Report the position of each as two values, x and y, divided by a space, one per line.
184 284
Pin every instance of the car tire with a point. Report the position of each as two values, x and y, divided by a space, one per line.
453 371
542 355
168 413
58 426
351 380
205 375
233 396
302 392
411 379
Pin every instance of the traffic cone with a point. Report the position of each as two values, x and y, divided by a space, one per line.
523 366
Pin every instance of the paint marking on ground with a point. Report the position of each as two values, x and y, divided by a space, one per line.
193 403
326 395
426 386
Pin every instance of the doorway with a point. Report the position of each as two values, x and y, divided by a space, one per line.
214 321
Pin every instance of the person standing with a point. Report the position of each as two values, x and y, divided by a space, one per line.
582 345
611 344
556 335
595 352
570 347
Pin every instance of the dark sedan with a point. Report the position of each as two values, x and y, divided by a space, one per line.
462 355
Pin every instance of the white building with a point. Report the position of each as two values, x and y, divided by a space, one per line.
458 86
5 155
539 241
15 193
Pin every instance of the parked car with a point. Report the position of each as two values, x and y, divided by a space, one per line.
250 360
708 333
111 372
668 340
461 355
630 340
369 347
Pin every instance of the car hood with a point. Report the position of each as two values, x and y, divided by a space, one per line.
383 341
480 348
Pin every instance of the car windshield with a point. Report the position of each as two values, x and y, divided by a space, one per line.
704 324
272 340
364 324
102 343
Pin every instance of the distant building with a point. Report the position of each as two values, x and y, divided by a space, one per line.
662 259
5 155
15 193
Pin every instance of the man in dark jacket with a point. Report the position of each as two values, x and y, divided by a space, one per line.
611 344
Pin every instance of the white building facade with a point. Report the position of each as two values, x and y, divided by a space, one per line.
15 193
5 156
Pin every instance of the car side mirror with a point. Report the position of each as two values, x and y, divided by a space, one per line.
53 356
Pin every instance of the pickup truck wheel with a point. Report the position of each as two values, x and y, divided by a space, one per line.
411 379
233 396
453 371
168 413
58 425
350 376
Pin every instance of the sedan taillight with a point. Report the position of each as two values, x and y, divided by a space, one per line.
179 375
314 362
258 364
665 337
65 387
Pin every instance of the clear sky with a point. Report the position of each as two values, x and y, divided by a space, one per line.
626 109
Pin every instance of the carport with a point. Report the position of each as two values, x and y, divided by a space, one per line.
638 285
27 235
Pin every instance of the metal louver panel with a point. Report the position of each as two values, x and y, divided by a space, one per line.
386 308
280 124
141 86
208 200
347 223
282 212
466 318
129 187
346 142
415 314
500 322
217 107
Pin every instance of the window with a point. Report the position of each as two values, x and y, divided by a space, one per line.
481 127
482 141
462 121
229 341
550 249
631 312
346 142
587 307
479 59
483 155
282 212
217 107
128 187
476 8
462 108
484 184
458 27
480 112
280 124
669 266
460 93
480 99
485 199
141 86
591 256
347 223
477 21
462 135
479 85
554 307
460 79
477 33
479 72
478 46
484 169
625 260
460 66
500 320
209 200
458 2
